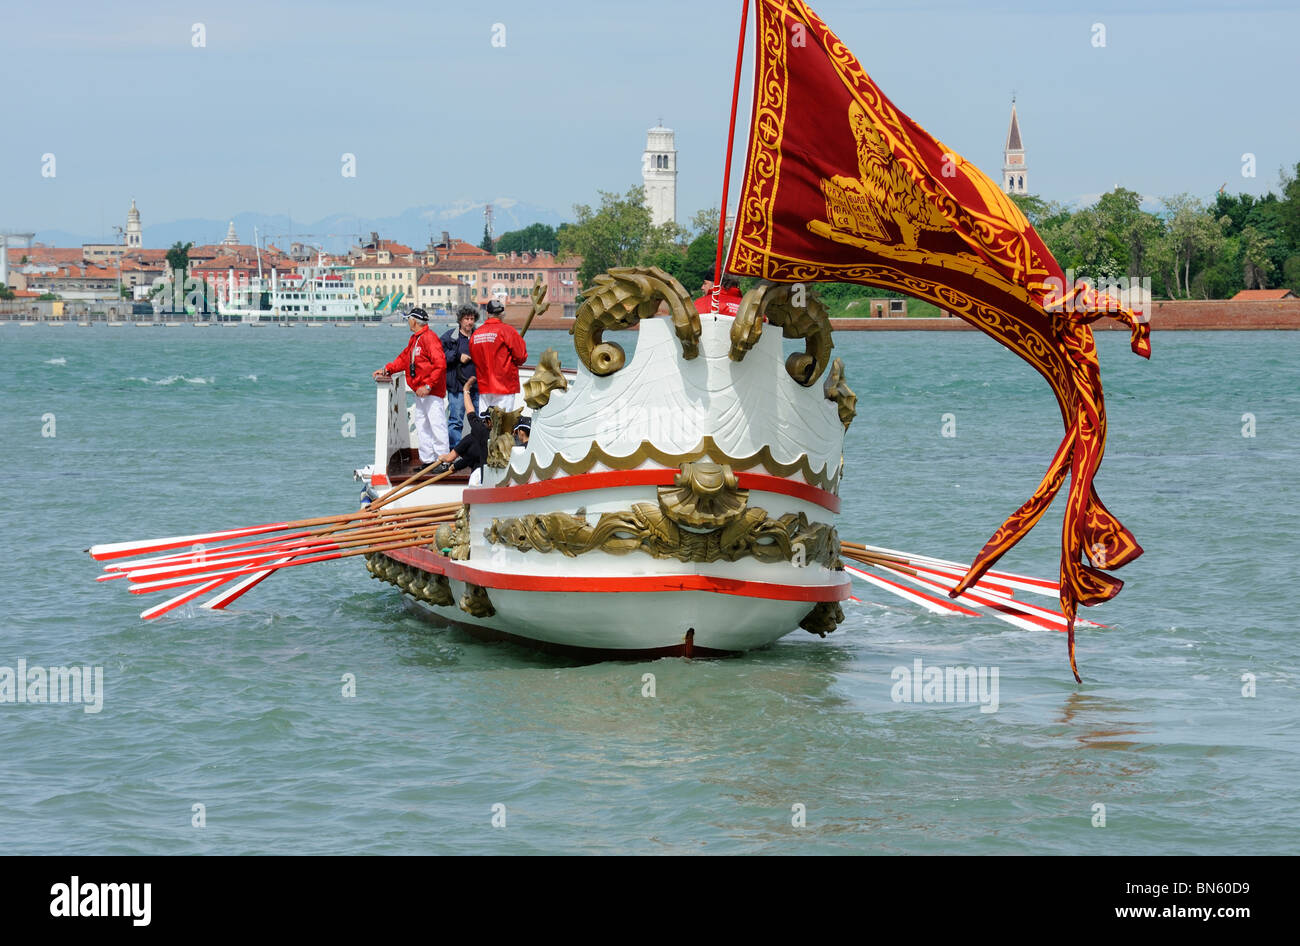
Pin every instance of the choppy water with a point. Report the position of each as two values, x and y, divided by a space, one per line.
159 431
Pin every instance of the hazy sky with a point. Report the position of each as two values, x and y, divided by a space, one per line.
258 118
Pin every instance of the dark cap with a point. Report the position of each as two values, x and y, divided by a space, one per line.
419 315
524 424
495 308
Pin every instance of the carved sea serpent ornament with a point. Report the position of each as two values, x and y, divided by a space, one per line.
837 389
796 308
547 378
619 299
501 437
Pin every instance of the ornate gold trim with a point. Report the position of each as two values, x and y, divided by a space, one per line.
547 378
704 496
501 438
799 312
646 451
454 536
837 389
619 299
650 528
426 586
475 602
823 619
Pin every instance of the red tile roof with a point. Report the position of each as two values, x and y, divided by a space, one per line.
437 279
1262 295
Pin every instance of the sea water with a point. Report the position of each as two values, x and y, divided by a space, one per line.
320 715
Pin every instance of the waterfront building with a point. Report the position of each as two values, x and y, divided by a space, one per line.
439 291
509 278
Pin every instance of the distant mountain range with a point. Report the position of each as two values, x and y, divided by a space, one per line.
462 219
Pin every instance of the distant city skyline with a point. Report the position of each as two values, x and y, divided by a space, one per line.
253 109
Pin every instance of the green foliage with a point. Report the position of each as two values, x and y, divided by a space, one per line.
486 243
47 297
5 292
535 236
618 233
178 257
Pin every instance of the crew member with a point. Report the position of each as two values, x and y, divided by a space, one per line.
728 298
460 368
426 375
498 351
471 450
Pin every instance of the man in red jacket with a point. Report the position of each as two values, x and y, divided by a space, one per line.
498 351
426 375
728 299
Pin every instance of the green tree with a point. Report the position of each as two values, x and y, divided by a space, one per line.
618 233
1255 261
5 292
1291 274
705 221
535 236
178 257
486 244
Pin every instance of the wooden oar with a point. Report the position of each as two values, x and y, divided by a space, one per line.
1019 613
148 587
937 605
119 569
1023 582
145 546
220 601
344 540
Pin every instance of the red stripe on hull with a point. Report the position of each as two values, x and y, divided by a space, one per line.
441 565
610 479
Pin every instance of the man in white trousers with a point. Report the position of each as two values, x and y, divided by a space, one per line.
426 375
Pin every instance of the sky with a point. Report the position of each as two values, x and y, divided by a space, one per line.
259 115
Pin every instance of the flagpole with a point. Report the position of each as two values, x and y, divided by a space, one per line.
726 174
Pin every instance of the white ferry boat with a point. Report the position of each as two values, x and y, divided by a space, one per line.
318 293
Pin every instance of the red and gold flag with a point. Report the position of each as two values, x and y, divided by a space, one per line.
840 186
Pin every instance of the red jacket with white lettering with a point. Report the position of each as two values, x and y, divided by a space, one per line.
498 351
728 302
424 363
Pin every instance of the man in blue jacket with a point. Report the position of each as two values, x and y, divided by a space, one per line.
460 368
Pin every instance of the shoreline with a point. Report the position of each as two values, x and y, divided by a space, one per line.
1166 316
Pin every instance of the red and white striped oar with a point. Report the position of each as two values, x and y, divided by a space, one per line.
146 546
217 602
340 540
937 605
158 610
1039 586
146 587
1027 616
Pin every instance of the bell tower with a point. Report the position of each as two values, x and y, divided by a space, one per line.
1013 157
133 233
659 174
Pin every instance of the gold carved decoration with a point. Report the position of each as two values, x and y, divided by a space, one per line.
540 304
501 437
703 517
547 378
619 299
704 496
837 389
475 602
706 449
427 586
454 536
800 314
823 619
